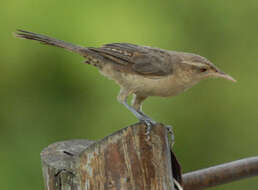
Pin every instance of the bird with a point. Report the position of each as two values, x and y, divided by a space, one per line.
141 71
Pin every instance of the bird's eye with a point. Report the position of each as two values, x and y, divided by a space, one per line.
203 70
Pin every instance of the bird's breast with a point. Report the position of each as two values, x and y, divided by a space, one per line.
170 85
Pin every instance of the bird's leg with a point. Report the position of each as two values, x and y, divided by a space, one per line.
136 113
122 98
137 105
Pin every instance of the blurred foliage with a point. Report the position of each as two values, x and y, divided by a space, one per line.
48 94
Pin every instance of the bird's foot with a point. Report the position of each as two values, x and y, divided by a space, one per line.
147 120
142 117
149 123
171 132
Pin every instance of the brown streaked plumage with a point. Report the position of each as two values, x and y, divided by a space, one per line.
141 70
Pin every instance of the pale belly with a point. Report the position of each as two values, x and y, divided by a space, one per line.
140 85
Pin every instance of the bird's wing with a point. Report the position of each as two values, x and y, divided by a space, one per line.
140 59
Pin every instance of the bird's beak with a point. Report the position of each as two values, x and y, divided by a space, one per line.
221 74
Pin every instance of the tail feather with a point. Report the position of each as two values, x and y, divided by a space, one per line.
91 57
49 41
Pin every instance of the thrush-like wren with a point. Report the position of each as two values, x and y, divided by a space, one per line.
140 70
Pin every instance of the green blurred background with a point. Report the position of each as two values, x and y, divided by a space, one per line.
48 94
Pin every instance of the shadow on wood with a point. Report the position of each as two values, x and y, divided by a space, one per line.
127 159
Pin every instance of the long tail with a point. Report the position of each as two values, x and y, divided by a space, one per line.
51 41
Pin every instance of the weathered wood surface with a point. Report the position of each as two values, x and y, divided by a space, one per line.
125 160
59 164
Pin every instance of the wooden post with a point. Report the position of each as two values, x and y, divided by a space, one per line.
125 160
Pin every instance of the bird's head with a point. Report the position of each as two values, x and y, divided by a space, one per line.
199 68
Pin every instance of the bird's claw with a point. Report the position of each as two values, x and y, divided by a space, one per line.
149 123
171 132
